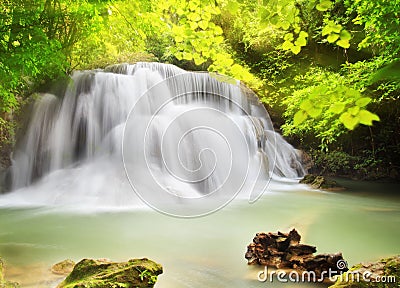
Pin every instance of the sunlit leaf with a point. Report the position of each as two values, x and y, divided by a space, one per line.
295 49
303 34
353 110
288 37
287 45
367 117
314 112
284 24
337 108
233 7
301 42
343 43
299 117
203 24
332 37
349 121
326 30
362 102
324 5
345 35
306 105
187 56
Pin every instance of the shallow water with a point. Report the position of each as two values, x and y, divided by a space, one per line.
208 251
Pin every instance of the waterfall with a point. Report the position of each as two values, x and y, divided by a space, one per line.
171 135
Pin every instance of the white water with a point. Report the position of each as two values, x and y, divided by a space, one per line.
187 140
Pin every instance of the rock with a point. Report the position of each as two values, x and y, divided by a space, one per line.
383 273
306 160
394 174
136 273
63 268
321 182
283 250
308 179
3 282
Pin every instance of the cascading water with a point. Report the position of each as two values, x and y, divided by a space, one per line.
180 136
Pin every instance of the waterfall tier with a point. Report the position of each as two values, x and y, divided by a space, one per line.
179 139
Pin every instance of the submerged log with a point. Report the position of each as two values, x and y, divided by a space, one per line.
283 250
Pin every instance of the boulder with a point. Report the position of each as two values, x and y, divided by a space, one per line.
63 268
136 273
381 274
321 182
284 251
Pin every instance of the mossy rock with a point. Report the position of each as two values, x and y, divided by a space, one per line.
321 182
388 269
3 282
64 267
136 273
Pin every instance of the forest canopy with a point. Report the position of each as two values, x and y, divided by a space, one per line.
328 71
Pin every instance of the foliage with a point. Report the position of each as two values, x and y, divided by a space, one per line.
198 38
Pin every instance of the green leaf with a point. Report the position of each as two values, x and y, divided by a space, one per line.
332 37
284 24
362 102
349 121
303 34
299 117
326 30
367 117
274 19
324 5
287 45
345 35
203 24
353 110
337 28
288 37
187 56
337 108
343 43
198 60
314 112
301 41
295 49
306 105
233 7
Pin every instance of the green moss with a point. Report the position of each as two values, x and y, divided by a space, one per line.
384 267
90 273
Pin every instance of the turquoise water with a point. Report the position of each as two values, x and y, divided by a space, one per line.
362 223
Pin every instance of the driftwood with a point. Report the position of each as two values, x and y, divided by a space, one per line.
283 250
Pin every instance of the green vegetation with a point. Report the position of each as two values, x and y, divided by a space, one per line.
98 273
3 282
328 71
381 274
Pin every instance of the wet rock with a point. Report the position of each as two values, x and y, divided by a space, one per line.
63 268
89 273
321 182
283 250
381 274
306 160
